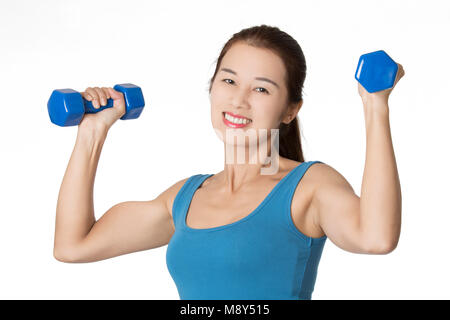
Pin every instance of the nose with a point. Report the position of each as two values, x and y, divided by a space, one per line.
239 99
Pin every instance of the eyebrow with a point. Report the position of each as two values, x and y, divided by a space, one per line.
257 78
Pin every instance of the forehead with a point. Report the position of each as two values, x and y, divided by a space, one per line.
251 61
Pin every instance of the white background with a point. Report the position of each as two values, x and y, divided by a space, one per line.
169 49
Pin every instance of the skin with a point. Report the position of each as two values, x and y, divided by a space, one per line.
237 190
370 223
323 203
327 203
262 102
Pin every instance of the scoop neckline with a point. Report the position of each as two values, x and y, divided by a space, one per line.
250 215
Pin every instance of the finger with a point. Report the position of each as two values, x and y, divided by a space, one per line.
86 96
401 70
106 92
115 94
101 95
95 97
118 96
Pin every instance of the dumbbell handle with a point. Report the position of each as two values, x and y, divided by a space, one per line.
88 106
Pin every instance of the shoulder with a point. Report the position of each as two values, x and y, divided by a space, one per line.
323 179
317 182
322 187
168 195
326 176
331 192
310 180
317 173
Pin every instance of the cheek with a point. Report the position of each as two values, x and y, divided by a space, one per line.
217 95
216 118
266 117
216 109
216 104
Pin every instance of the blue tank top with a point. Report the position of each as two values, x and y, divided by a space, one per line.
262 256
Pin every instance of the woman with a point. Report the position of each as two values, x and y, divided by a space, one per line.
241 233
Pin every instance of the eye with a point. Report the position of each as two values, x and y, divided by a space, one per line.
265 90
227 79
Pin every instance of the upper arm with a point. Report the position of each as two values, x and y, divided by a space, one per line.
127 227
338 210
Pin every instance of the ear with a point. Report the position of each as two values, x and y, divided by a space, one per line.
292 112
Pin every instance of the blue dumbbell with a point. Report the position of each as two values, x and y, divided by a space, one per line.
66 107
376 71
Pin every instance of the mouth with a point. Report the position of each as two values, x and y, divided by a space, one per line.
235 121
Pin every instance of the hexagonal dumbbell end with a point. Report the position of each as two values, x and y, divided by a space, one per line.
376 71
66 107
134 100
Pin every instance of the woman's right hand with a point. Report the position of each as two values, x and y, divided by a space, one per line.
102 120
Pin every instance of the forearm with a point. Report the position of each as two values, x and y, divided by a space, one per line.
380 191
75 207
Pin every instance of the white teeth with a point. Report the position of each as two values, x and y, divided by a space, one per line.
236 120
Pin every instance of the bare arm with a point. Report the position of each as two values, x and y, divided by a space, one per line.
126 227
370 224
75 207
337 210
381 199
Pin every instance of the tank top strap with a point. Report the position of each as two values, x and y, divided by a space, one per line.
183 198
287 185
286 194
293 179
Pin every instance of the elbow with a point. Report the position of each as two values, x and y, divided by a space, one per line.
64 255
383 248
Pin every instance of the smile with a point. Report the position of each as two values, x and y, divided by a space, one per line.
234 121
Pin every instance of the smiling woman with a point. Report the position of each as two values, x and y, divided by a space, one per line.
240 233
283 87
237 233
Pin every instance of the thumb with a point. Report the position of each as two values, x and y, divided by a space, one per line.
119 100
115 95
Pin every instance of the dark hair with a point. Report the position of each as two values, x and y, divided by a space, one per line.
289 51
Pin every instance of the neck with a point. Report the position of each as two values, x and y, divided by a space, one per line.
245 162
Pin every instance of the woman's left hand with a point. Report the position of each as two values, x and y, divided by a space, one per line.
380 96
